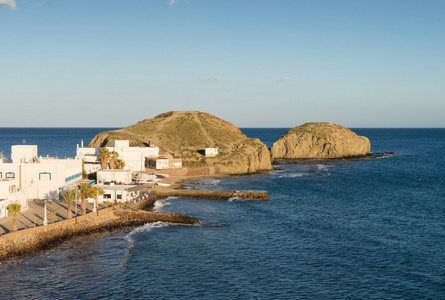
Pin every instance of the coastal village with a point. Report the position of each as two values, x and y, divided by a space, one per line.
114 182
117 174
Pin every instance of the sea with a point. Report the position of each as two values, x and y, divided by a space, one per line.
371 228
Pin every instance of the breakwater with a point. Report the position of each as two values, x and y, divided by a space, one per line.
212 194
24 242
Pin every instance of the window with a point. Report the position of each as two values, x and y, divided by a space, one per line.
119 196
1 175
107 196
10 175
45 176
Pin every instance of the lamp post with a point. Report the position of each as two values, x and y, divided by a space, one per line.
95 200
45 220
76 204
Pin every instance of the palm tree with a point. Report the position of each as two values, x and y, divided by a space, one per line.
97 191
120 164
68 197
104 157
14 209
86 191
84 173
113 157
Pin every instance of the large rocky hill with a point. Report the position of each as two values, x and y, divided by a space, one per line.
320 140
186 133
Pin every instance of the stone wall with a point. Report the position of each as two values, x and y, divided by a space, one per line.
23 242
198 171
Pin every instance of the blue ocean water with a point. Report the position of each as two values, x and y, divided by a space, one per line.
55 142
334 229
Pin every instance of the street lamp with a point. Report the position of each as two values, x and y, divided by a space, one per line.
45 220
76 203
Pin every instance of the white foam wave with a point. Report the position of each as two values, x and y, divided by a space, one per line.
322 167
235 199
147 227
212 182
292 175
274 172
161 203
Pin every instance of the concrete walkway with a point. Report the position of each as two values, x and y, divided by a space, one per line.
34 215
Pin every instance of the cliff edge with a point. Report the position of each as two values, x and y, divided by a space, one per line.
186 134
320 140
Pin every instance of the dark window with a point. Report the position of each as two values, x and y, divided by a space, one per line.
119 196
1 175
107 196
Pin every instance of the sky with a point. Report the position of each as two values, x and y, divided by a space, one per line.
254 63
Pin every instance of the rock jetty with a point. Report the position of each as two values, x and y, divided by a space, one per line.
320 140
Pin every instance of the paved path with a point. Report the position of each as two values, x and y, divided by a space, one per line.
35 214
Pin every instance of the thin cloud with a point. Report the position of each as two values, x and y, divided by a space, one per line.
218 78
8 3
283 79
47 3
173 2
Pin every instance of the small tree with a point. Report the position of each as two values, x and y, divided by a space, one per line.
104 157
120 164
84 173
98 191
113 158
68 197
14 209
86 191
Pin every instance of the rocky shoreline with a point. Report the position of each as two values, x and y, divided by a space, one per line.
33 240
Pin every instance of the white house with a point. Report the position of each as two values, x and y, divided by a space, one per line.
209 152
134 157
118 192
163 162
10 194
39 177
115 176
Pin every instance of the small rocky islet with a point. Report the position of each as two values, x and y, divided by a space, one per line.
186 133
320 140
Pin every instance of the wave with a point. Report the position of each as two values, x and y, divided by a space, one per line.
235 199
146 228
210 182
161 203
322 167
292 175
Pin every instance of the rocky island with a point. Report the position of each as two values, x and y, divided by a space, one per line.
186 134
320 140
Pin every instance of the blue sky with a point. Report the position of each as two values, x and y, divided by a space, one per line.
281 63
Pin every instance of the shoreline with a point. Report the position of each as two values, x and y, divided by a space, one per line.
33 240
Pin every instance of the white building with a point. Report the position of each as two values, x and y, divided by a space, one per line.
134 157
39 177
116 176
10 194
163 162
210 152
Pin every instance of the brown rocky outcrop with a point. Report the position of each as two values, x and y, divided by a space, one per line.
186 134
320 140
